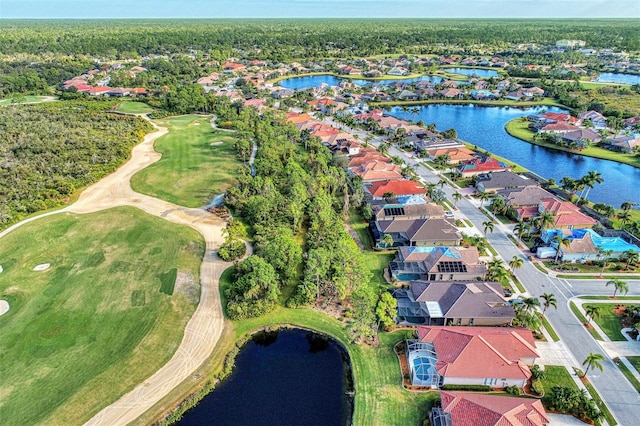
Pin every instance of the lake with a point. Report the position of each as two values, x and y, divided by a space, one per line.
287 377
484 127
478 72
611 77
308 82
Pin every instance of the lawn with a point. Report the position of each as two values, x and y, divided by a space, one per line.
635 361
197 163
133 107
518 128
27 99
95 324
608 322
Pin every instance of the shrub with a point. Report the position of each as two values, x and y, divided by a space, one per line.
537 387
512 390
232 249
477 388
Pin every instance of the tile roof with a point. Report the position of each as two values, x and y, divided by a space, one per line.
480 351
527 196
397 187
473 409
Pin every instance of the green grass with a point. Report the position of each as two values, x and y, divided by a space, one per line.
608 322
607 298
133 107
191 169
168 281
557 375
629 375
550 330
635 361
583 319
27 99
518 128
95 324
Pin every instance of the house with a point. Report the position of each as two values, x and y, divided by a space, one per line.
407 95
437 264
377 170
398 71
233 67
98 91
473 409
418 232
395 187
566 214
582 135
493 182
623 143
365 157
451 93
413 207
597 119
560 127
483 94
494 356
585 244
456 155
433 142
524 201
478 166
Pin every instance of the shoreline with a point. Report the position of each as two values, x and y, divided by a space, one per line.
513 130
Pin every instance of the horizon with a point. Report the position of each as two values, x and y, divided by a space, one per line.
317 9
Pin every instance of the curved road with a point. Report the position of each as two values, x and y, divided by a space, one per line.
205 327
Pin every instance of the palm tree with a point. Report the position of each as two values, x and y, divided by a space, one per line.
383 148
487 225
624 217
498 205
630 257
530 304
626 205
592 312
604 255
516 262
545 220
387 240
561 241
519 229
483 196
549 300
618 285
456 197
589 180
593 361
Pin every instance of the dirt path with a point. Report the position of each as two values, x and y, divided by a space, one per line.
205 327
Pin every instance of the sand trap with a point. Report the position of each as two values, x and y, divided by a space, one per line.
42 267
196 124
4 307
1 268
216 143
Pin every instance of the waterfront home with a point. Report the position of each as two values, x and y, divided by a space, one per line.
565 214
581 134
451 93
477 303
474 409
493 182
418 232
622 143
477 166
493 356
429 142
406 208
455 155
366 155
377 170
393 188
597 119
438 264
587 244
524 201
483 95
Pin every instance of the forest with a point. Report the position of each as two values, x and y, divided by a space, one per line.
48 151
281 40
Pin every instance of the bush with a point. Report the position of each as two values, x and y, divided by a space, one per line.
477 388
537 387
512 390
232 249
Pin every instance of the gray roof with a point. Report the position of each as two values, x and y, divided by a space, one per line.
528 196
505 179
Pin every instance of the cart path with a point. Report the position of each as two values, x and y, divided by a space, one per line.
205 327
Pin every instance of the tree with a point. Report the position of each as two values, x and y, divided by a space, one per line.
604 256
624 217
254 291
516 262
548 300
519 229
387 240
438 196
630 257
626 205
450 134
386 310
618 286
545 220
593 360
487 225
592 312
456 197
483 196
561 241
498 205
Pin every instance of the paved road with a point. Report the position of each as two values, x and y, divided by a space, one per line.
619 395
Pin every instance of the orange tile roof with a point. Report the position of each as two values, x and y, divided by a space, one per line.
473 409
480 351
397 187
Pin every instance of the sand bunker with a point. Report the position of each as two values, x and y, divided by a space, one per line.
196 124
1 268
216 143
4 307
42 267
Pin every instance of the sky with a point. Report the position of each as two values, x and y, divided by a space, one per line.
55 9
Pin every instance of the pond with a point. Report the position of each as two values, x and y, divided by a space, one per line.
308 82
478 72
484 127
286 377
611 77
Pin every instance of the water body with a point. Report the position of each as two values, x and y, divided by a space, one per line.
484 127
478 72
610 77
290 377
302 83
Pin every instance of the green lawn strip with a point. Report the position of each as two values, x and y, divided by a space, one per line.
635 361
550 330
629 375
607 298
600 403
518 128
597 277
194 166
518 284
540 268
133 107
607 321
582 319
557 375
361 227
27 99
95 324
